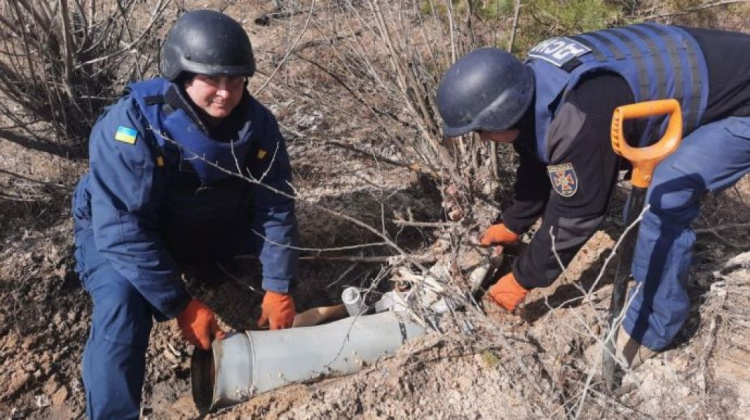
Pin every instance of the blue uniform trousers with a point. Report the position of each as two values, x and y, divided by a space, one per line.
711 158
114 361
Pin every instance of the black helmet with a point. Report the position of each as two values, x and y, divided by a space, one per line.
487 89
206 42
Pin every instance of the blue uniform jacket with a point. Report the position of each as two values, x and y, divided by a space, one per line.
161 191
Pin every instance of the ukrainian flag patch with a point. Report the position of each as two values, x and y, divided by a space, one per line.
126 135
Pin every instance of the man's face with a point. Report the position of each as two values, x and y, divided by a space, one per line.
217 96
506 136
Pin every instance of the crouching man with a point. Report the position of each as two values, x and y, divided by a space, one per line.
556 110
165 187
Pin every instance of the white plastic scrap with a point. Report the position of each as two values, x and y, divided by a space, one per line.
42 401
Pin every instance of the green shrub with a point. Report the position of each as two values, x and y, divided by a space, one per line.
544 19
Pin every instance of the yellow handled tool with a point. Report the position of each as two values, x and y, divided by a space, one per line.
644 161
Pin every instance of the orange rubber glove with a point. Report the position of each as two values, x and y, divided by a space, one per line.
507 292
277 310
198 325
498 235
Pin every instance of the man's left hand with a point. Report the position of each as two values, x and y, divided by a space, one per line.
498 235
277 311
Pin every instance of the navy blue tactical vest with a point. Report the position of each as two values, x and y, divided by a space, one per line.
173 129
657 61
203 200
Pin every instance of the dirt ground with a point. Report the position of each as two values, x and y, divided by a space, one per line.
513 366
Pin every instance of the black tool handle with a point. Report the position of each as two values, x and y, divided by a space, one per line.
620 286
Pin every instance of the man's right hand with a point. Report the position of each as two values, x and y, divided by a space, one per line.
198 324
508 293
498 235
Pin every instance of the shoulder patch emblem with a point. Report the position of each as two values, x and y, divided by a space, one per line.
126 134
564 179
